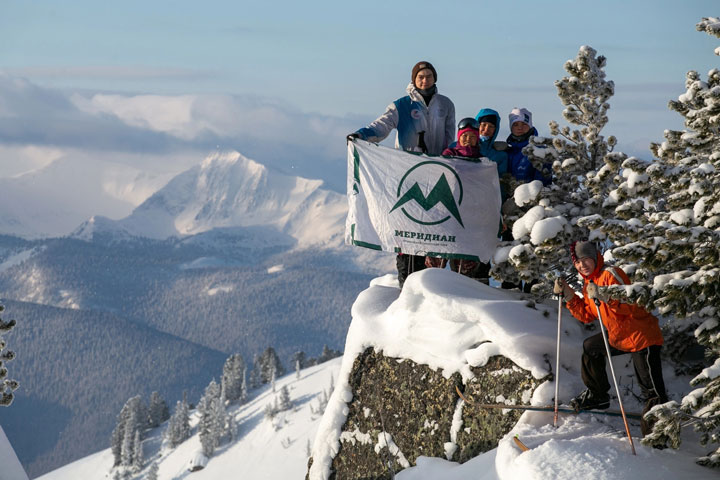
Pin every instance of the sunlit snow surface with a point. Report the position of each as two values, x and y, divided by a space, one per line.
440 319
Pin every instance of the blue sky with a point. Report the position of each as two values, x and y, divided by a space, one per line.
348 60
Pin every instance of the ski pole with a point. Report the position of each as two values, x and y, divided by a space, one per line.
612 371
557 362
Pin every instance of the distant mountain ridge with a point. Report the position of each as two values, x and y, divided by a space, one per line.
228 190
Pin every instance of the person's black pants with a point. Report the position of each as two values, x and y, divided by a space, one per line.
407 264
648 369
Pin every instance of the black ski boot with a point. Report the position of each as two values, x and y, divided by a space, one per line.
588 400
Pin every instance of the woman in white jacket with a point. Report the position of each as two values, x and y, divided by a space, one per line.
424 119
425 122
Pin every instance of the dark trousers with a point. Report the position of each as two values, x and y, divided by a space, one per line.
646 362
407 264
475 270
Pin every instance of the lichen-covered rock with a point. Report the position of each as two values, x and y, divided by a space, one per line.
401 410
498 381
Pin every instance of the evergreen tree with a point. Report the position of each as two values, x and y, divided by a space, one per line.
673 247
178 429
255 381
328 354
299 359
545 219
153 472
215 424
271 409
132 418
284 403
127 454
7 385
138 455
232 378
222 422
206 425
158 410
244 387
269 365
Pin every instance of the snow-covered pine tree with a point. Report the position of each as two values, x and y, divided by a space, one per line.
7 385
284 402
328 354
271 409
545 220
138 455
255 373
178 429
674 247
269 363
299 362
158 410
153 472
132 417
223 423
128 444
215 424
244 387
208 438
232 378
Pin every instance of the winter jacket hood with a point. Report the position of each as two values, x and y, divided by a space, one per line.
519 164
484 113
488 150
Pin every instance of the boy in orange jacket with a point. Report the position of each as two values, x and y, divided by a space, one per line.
631 329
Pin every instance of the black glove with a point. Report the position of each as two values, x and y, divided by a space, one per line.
352 136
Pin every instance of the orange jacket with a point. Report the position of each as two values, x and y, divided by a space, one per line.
630 327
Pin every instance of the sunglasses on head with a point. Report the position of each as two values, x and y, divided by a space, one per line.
468 122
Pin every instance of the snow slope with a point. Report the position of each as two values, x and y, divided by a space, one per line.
438 319
451 323
264 449
10 468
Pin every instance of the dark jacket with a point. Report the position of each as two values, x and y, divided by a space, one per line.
519 165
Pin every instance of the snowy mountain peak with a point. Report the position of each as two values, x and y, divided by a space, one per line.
229 190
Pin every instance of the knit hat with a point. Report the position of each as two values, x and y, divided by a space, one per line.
467 129
521 115
422 66
583 249
489 119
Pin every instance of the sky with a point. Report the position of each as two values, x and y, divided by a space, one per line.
298 76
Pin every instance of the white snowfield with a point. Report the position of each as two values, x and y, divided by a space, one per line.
440 319
10 468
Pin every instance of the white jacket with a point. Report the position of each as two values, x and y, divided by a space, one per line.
410 116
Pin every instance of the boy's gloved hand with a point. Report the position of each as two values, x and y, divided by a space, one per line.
594 293
352 136
562 288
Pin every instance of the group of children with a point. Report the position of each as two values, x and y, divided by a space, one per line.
425 122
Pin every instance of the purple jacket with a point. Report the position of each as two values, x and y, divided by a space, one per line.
458 151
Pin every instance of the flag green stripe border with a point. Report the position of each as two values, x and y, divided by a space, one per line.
358 243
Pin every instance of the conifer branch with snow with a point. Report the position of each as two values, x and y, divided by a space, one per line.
7 385
545 220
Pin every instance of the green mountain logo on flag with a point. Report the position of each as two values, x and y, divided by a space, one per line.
441 193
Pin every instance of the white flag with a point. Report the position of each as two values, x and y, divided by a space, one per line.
421 205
